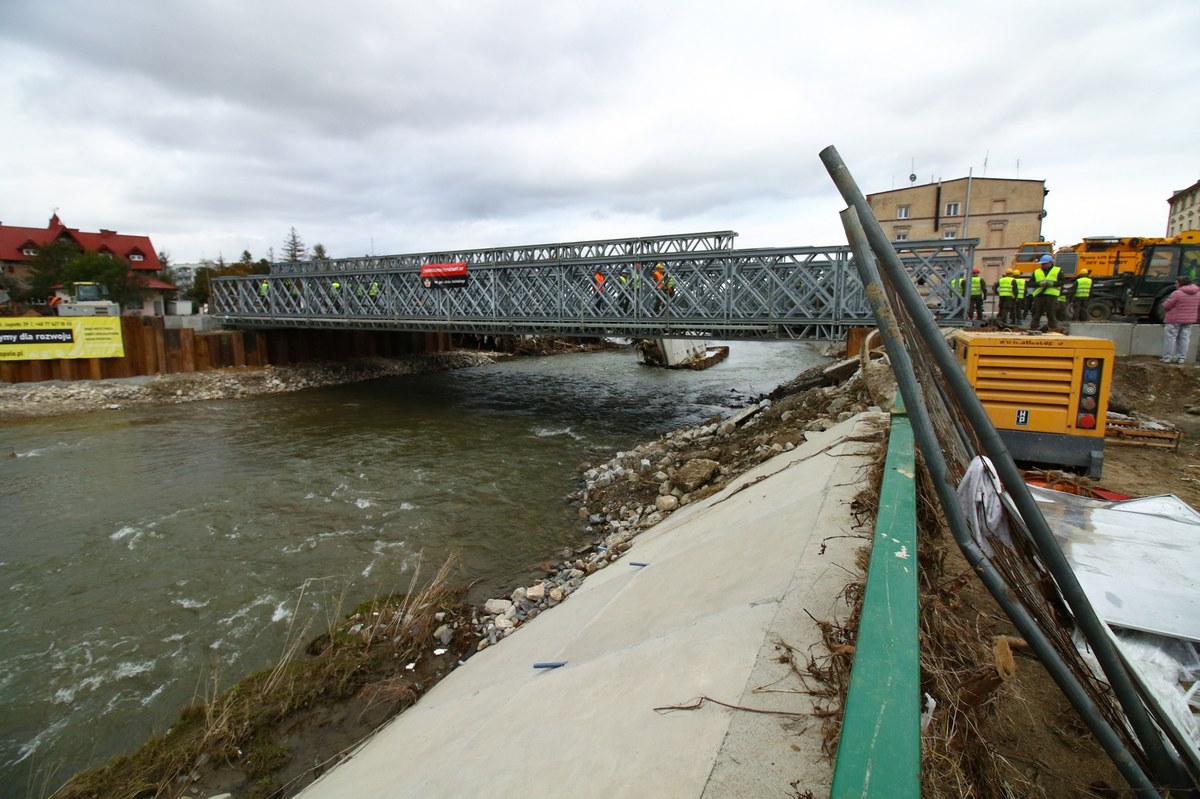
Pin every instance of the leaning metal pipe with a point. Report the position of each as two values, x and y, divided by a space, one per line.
1167 769
918 414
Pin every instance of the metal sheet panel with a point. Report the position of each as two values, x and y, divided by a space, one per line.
1138 560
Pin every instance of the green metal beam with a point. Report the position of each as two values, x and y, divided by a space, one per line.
880 750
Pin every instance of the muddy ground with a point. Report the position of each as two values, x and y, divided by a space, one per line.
1169 393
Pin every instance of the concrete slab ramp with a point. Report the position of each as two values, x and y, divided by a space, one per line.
728 582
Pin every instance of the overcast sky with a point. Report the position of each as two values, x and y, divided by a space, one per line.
389 126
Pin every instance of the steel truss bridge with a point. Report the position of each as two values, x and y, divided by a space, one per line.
709 290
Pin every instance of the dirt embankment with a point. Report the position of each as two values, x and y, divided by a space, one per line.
1168 393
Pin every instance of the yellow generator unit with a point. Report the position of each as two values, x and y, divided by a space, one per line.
1047 395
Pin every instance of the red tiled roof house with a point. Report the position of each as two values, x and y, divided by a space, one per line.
19 246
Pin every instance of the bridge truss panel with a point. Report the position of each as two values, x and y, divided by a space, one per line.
804 292
600 249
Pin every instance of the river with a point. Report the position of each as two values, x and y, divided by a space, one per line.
152 556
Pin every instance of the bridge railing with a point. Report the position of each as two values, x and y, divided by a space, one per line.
879 753
599 249
801 292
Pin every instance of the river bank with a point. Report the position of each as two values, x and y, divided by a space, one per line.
615 503
618 499
240 521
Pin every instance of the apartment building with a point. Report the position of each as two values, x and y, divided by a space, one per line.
1002 213
1185 210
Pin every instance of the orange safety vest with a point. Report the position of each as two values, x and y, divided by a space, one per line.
599 278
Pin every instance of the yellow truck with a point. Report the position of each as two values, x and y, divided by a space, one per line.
1131 276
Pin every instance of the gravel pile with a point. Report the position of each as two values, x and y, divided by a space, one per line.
57 398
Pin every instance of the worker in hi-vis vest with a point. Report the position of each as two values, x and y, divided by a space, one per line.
1020 296
978 295
1045 292
1082 294
1006 291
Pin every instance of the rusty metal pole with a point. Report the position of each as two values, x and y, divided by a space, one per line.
1168 769
918 414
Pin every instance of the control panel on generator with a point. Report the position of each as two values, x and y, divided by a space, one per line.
1047 395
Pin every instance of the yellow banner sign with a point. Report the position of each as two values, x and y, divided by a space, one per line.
27 338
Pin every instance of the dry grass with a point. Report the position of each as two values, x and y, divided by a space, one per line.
968 748
235 727
962 754
957 760
830 669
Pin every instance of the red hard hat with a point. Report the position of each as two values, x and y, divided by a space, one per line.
975 271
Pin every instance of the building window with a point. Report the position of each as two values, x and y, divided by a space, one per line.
950 233
952 210
29 251
136 257
900 237
902 211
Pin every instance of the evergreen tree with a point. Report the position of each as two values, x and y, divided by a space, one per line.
318 253
293 247
199 292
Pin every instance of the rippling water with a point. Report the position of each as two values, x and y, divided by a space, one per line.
151 554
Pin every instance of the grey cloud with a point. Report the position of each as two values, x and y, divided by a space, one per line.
465 118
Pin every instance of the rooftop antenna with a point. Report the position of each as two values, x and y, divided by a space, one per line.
1018 167
985 158
912 172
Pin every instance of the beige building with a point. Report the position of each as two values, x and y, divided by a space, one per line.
1185 210
1001 213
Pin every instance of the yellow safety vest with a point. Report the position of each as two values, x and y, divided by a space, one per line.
1039 276
976 286
1004 286
1083 287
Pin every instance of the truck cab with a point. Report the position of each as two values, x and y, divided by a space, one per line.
1162 264
87 299
1026 258
1139 274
